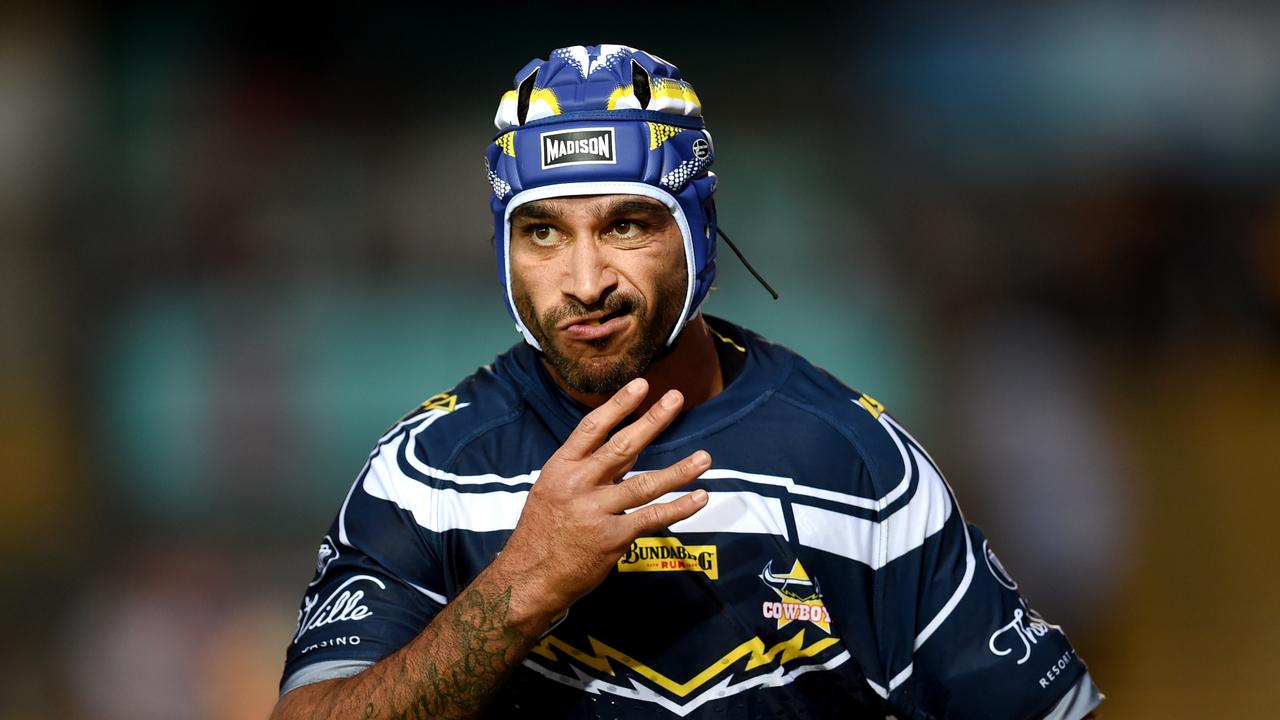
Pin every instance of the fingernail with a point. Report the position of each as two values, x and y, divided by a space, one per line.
670 399
702 457
634 386
699 496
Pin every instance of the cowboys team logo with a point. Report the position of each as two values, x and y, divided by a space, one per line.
325 556
799 597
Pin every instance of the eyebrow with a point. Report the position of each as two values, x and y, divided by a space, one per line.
540 211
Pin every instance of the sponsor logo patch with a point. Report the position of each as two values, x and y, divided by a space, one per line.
344 604
332 642
1022 633
447 402
799 598
666 554
1057 667
583 146
325 556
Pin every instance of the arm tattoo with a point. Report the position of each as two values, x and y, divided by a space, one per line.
486 650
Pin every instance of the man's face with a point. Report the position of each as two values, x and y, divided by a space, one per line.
599 280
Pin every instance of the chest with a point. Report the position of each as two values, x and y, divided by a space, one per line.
686 620
721 607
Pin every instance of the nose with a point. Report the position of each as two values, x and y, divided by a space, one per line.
589 276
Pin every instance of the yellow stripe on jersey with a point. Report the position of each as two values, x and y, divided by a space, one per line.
753 650
724 339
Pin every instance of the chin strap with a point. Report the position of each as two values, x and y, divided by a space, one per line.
738 252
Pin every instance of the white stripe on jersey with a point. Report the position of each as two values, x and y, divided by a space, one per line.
871 542
929 471
793 488
441 509
961 589
969 560
832 495
937 620
732 512
425 469
878 543
433 595
713 474
426 418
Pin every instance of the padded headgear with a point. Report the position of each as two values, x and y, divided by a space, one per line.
605 119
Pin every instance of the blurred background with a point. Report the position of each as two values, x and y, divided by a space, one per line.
237 246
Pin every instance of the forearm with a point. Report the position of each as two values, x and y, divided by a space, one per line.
580 508
450 670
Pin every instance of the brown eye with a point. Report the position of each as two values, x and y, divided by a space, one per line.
542 234
626 229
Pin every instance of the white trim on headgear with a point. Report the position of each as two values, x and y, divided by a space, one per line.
603 187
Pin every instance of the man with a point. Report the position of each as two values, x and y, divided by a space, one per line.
641 511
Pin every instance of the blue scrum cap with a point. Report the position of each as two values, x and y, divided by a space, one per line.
604 119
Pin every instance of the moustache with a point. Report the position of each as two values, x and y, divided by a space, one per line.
614 304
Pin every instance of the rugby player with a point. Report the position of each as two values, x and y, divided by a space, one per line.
641 510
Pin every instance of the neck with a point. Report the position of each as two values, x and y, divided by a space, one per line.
692 367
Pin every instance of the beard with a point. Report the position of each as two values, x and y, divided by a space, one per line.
605 375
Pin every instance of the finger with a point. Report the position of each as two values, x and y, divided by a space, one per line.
620 452
647 487
595 426
659 516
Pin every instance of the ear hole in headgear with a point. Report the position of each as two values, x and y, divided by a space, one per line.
525 92
640 84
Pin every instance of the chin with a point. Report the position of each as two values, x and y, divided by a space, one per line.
598 374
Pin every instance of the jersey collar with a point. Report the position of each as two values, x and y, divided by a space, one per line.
763 371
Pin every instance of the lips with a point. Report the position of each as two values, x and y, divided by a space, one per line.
596 325
592 319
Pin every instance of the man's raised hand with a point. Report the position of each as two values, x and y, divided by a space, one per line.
575 523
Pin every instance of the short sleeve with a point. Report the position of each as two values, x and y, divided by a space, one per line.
956 636
376 583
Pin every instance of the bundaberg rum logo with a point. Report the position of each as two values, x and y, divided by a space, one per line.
666 554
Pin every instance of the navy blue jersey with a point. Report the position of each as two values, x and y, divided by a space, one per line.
831 573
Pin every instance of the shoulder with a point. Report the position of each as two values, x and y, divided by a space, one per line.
838 421
444 423
411 463
859 485
425 440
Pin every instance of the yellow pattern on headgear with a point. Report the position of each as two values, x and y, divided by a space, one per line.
507 143
542 103
674 89
618 94
660 133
